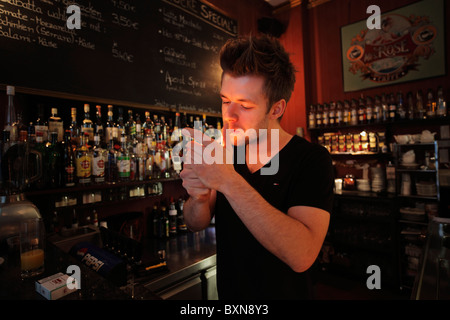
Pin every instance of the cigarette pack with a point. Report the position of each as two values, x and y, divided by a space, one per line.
54 287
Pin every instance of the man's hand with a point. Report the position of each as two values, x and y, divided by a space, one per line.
206 160
194 187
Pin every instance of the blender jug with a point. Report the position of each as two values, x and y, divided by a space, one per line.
17 163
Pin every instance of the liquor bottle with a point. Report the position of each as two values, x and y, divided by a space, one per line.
392 108
347 113
384 108
69 161
55 124
163 223
377 110
98 160
139 127
401 111
370 114
130 126
410 110
204 123
332 114
172 219
157 128
362 116
54 169
155 222
10 117
111 170
390 177
326 116
148 124
312 117
83 161
176 135
319 113
421 112
431 105
353 113
181 224
339 114
74 128
120 124
441 104
87 126
110 125
98 126
40 125
123 160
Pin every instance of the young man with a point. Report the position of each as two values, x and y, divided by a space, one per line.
269 227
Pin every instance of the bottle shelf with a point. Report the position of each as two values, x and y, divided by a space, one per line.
406 122
97 187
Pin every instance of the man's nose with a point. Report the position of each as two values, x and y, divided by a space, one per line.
229 112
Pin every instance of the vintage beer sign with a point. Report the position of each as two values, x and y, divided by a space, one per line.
408 45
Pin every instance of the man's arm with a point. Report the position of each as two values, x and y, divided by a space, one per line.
295 238
198 209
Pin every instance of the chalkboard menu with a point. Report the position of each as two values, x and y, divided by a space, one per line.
153 52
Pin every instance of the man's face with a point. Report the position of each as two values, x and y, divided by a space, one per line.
244 106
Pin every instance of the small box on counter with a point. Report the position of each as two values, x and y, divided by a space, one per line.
54 287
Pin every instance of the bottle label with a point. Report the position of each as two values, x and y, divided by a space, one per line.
98 166
123 166
84 166
56 127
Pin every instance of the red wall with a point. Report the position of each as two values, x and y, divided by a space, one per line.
325 80
313 38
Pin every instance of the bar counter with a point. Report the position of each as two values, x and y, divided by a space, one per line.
187 255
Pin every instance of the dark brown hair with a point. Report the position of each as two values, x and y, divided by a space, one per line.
261 56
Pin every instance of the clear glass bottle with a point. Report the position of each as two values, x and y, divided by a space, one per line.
392 108
370 114
353 113
441 110
40 124
98 160
10 116
110 125
384 108
339 114
347 113
319 114
55 124
431 105
401 110
377 110
332 114
420 108
87 126
326 115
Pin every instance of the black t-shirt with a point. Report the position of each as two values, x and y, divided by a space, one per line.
245 269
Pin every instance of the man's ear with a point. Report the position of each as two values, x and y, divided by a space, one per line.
277 109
